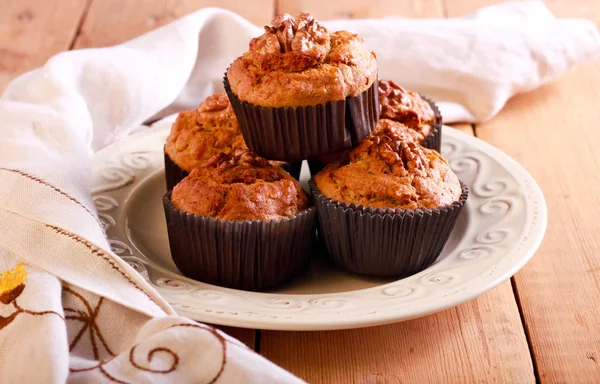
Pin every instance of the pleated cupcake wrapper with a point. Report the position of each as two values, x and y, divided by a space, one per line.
294 134
293 169
174 173
432 141
248 255
387 242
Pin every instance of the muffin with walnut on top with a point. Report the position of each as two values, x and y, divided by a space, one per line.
388 208
406 113
302 91
239 222
410 114
199 134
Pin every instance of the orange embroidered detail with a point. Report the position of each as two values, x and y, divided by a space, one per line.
12 283
40 181
97 251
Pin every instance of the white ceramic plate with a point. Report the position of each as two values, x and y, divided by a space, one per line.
498 231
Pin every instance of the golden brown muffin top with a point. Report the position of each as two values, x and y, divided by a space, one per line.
298 62
387 126
197 135
240 187
387 171
406 107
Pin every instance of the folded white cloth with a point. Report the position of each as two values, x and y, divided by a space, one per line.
75 310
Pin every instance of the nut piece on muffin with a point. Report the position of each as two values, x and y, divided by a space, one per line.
406 113
389 207
293 88
239 222
404 110
240 187
298 62
389 171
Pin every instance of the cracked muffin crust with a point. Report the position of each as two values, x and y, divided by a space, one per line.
407 109
198 135
389 171
298 62
240 187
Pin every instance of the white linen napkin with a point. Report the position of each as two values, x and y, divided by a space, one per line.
74 310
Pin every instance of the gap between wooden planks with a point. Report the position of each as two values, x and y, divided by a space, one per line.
554 133
480 340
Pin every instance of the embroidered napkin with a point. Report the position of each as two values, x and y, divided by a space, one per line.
70 309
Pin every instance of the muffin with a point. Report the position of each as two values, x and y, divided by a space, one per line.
410 112
239 222
301 91
198 135
410 115
388 208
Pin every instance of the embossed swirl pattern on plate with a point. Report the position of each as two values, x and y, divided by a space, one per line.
492 199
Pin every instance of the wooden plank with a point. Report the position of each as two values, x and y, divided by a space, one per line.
111 22
553 132
560 8
458 8
246 336
481 341
31 31
464 127
358 9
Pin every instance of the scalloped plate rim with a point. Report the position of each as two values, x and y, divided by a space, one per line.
468 291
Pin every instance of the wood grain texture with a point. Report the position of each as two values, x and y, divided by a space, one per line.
464 128
554 133
560 8
458 8
31 31
359 9
246 336
478 342
111 22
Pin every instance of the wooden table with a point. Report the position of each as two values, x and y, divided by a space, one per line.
542 325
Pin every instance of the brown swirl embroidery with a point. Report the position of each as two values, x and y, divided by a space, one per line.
99 252
221 340
150 357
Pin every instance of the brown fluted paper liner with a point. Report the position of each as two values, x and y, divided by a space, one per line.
387 242
295 134
434 139
174 173
248 255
